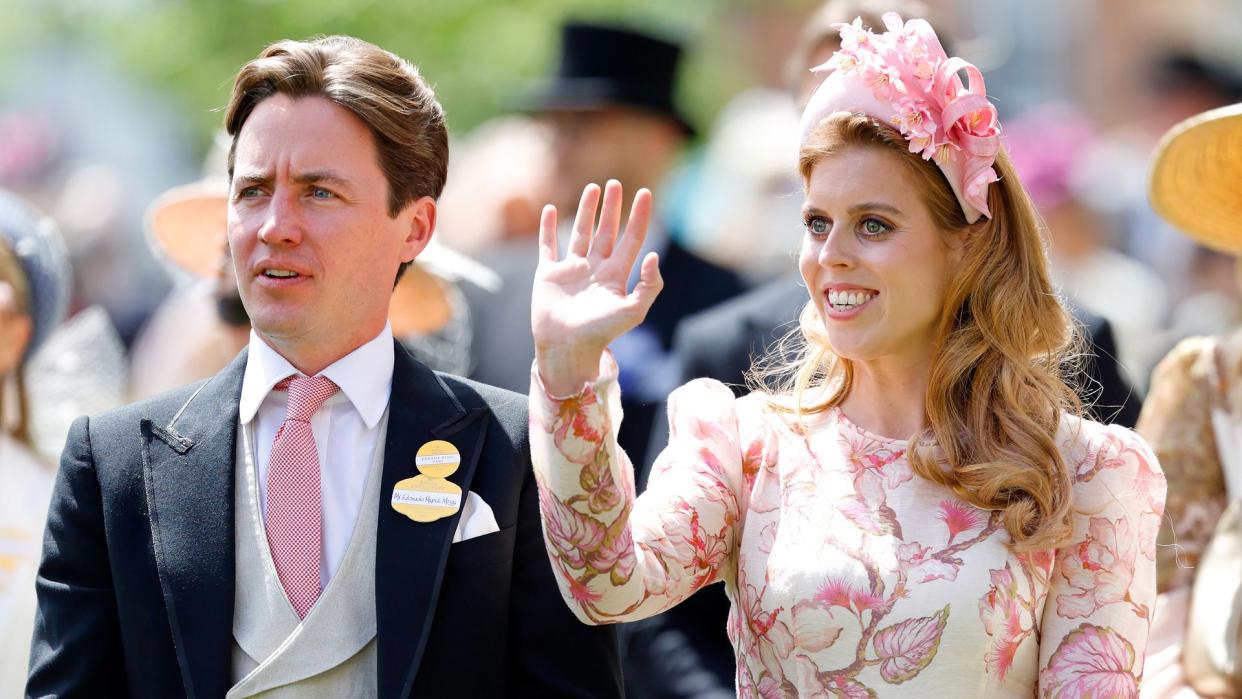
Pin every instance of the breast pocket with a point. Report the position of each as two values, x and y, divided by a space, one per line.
487 550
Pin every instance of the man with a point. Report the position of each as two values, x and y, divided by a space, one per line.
242 537
612 115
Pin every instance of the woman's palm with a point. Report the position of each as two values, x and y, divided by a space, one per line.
580 301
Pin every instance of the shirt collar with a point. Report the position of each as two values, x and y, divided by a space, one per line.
364 376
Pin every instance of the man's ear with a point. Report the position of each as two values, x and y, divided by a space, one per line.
419 217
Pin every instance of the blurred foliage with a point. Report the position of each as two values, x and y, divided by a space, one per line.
480 54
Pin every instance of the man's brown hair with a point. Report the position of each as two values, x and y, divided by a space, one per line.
383 90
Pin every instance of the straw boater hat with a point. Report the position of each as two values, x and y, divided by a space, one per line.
188 227
1196 178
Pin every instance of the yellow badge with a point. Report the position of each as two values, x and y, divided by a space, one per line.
428 496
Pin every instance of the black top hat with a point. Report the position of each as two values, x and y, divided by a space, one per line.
602 65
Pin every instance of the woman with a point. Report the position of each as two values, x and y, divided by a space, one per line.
34 291
1196 177
917 510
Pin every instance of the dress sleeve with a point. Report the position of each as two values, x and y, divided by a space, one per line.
1177 422
622 558
1098 611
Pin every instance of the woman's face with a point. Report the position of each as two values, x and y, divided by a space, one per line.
876 265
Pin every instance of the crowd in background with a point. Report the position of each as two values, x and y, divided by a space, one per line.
1085 91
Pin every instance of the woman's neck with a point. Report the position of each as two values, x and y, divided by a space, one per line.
888 396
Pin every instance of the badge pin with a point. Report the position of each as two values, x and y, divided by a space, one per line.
429 496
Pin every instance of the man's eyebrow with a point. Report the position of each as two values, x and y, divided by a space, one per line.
312 177
322 177
251 178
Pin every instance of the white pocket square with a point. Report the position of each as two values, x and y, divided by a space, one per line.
477 519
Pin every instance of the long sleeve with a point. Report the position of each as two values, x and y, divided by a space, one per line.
622 558
77 641
1176 421
1098 611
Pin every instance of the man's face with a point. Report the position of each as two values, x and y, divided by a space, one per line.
314 248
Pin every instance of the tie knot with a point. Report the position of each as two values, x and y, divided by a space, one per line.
306 394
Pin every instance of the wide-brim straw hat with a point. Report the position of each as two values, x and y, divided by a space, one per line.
1195 181
188 226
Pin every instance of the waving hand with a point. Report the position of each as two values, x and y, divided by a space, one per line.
580 303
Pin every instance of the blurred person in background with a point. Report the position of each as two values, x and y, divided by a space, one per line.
34 292
201 325
497 182
611 112
1193 414
1178 82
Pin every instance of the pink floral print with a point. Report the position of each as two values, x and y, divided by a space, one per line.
1091 662
849 576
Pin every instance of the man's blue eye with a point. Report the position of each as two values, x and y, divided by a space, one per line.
319 193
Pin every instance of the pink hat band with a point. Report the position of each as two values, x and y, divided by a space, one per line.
903 78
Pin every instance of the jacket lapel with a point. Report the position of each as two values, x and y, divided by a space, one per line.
188 466
410 556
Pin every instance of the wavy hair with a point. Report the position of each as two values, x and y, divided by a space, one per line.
998 384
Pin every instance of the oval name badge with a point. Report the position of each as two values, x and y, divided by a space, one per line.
438 459
428 496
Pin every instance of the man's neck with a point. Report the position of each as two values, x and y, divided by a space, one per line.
311 358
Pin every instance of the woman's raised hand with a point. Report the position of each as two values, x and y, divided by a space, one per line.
579 304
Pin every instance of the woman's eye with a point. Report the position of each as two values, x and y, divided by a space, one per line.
873 226
817 225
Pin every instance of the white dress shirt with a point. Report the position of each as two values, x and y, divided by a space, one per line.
346 429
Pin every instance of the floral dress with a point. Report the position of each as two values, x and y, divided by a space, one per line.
1177 422
848 575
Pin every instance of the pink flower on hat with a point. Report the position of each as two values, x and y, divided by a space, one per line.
854 36
916 87
917 123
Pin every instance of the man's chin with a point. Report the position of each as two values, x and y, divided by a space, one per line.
278 328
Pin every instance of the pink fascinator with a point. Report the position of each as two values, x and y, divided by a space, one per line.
903 77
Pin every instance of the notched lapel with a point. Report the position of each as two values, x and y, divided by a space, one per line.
188 478
410 556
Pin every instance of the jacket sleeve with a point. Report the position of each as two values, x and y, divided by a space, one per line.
76 649
553 654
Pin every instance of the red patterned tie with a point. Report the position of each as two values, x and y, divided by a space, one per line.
294 518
